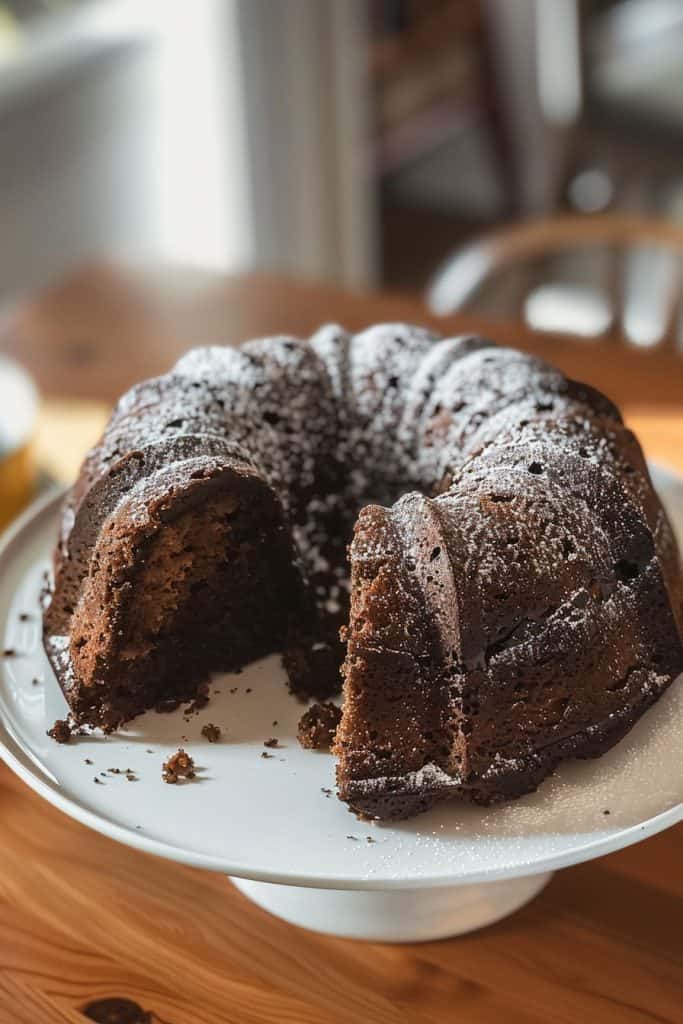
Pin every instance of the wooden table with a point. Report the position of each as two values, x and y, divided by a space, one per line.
84 919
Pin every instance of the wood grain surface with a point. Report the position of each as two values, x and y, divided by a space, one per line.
93 930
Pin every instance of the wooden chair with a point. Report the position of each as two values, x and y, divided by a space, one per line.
586 276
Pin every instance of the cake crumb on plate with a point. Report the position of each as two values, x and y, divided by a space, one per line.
318 726
60 731
211 732
178 766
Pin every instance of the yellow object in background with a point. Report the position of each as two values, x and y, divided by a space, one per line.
10 34
41 444
67 427
17 483
18 416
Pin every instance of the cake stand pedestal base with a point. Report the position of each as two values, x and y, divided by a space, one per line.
400 915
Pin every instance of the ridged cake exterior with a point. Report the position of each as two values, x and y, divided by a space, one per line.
514 583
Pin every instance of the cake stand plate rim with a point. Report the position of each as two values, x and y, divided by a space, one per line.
25 766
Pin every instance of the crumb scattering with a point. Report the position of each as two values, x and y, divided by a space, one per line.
9 652
24 617
264 754
128 773
272 742
87 761
211 732
178 766
318 725
60 731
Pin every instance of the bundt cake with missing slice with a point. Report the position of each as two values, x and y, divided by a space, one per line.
514 596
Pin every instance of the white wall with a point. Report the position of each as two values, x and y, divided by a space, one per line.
122 131
307 108
75 173
203 195
219 133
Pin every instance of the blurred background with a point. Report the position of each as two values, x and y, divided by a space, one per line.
360 141
515 163
506 157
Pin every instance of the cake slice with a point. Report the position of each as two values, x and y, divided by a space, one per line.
521 618
189 570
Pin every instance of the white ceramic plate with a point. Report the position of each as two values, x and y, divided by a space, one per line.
270 819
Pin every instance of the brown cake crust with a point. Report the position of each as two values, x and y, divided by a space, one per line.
514 596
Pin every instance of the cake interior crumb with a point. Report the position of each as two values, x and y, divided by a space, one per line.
61 731
179 766
318 725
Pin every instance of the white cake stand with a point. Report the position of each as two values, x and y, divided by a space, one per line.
274 824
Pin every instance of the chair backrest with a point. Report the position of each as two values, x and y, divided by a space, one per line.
580 275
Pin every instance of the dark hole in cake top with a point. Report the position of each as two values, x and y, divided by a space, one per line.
583 452
626 570
174 424
536 468
568 547
271 418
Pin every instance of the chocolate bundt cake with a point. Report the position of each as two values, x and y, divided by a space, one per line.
514 594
